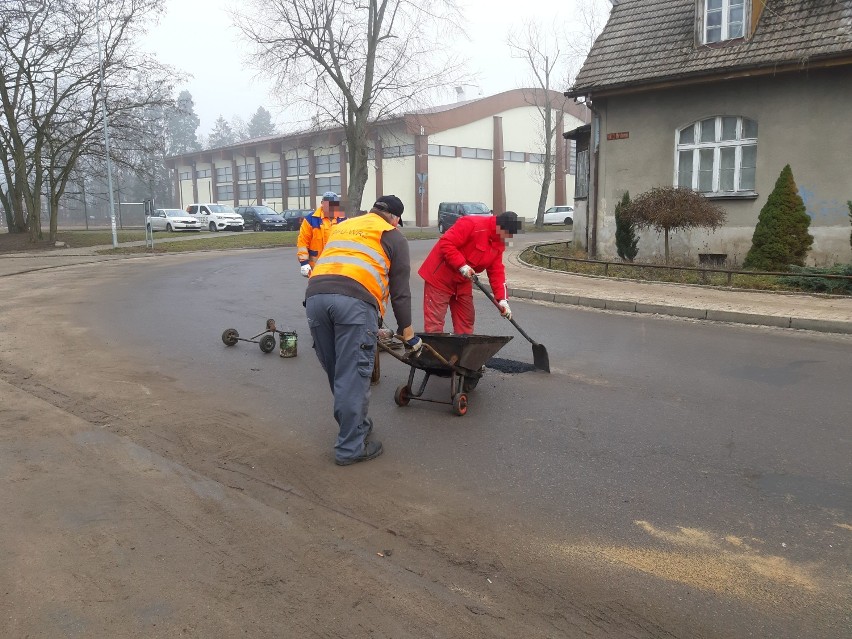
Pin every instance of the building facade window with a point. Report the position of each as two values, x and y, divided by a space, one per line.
401 151
536 158
271 189
298 188
327 163
270 169
297 167
443 150
225 193
571 150
724 20
246 172
717 155
247 191
224 175
185 175
515 156
478 154
328 184
202 173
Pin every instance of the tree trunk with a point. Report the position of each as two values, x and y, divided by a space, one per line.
667 246
548 160
356 146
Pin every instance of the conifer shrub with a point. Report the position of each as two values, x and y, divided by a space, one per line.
781 237
626 240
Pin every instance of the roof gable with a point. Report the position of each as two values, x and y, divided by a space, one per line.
648 41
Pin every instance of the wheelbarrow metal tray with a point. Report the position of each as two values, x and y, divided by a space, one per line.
469 352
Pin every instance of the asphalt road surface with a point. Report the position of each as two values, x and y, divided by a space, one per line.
670 478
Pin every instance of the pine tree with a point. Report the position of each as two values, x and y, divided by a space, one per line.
626 240
182 124
781 236
261 124
221 135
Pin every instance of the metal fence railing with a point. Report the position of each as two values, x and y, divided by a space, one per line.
701 270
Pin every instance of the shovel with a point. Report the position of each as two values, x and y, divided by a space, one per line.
540 359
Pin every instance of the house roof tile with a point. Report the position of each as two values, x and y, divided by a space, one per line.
648 41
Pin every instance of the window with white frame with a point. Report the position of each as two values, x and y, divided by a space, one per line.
202 173
185 175
328 184
271 189
514 156
245 172
327 163
224 175
718 155
724 20
224 192
442 149
270 169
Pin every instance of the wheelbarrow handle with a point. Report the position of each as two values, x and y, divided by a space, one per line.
494 301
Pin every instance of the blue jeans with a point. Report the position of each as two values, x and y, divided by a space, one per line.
344 330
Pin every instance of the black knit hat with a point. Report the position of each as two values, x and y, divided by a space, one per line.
509 222
389 204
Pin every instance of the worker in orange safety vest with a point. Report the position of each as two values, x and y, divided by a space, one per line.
315 229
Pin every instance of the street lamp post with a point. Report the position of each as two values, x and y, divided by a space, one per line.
106 128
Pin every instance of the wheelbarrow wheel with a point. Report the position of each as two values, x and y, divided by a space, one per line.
469 383
460 404
230 336
402 396
267 343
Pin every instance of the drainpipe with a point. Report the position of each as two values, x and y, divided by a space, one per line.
594 146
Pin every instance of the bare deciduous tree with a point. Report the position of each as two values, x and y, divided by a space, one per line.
546 61
50 93
353 61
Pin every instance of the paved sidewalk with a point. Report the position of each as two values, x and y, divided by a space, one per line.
810 312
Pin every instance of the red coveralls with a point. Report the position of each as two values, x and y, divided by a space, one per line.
472 240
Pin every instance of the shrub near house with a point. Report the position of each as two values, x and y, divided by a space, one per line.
781 236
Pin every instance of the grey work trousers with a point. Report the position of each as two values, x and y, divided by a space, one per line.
344 330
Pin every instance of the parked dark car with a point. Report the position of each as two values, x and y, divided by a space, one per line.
449 212
293 217
262 218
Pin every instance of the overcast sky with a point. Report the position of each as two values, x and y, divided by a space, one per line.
222 85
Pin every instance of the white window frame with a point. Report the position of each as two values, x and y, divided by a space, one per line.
696 146
726 20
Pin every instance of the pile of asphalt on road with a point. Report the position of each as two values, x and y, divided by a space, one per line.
509 365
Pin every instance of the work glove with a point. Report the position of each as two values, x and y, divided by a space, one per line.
414 345
505 311
467 272
306 270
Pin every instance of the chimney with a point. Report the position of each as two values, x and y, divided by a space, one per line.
459 94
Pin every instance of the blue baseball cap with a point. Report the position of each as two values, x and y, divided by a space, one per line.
330 196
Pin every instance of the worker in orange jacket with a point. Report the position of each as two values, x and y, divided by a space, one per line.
315 229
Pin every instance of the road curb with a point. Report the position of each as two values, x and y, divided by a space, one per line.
713 315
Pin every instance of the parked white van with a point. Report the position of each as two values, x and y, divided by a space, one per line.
216 217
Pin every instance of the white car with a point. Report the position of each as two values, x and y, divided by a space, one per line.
171 220
559 215
216 217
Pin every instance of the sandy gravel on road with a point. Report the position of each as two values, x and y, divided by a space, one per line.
132 509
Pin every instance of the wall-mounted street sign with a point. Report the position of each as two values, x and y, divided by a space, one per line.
421 177
622 135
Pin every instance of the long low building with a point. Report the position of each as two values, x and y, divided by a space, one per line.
485 150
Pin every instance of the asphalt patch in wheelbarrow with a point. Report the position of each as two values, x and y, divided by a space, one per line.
509 365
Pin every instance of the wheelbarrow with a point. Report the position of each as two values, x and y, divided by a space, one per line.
267 339
460 357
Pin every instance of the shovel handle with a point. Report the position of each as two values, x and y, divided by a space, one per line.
494 301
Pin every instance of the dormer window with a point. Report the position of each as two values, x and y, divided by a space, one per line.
724 20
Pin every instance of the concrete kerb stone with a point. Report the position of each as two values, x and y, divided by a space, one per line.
677 311
823 326
748 318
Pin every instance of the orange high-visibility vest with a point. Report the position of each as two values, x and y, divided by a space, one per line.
354 250
313 235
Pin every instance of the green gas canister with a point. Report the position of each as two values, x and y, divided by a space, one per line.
288 344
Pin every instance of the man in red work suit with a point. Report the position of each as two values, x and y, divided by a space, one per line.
475 243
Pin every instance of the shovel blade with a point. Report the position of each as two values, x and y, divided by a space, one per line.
540 358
